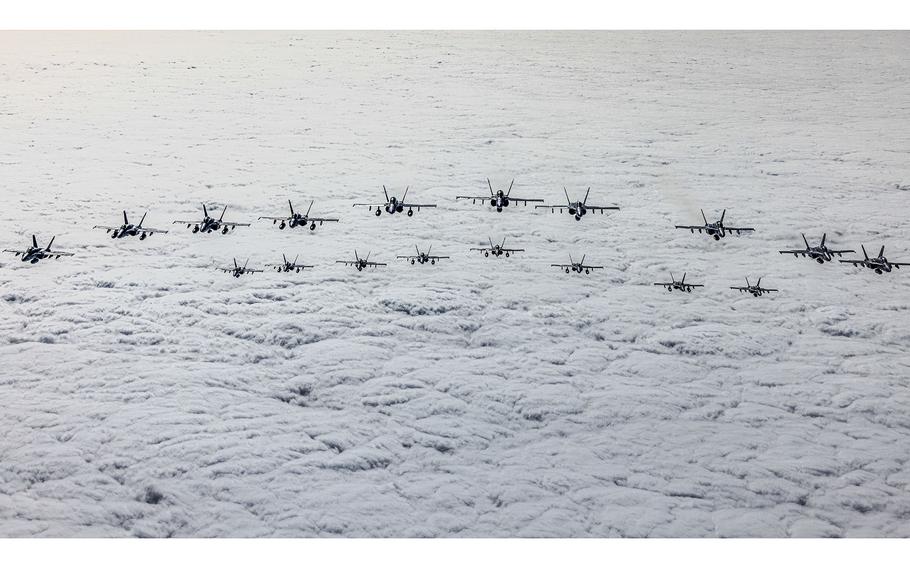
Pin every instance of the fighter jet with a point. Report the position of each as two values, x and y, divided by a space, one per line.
680 285
879 264
497 250
238 271
35 253
422 257
298 220
392 205
578 267
754 289
820 254
577 208
498 199
361 263
209 224
127 229
288 266
716 229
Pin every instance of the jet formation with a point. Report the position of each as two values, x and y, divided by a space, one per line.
497 199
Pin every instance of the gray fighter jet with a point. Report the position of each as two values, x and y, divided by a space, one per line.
127 229
879 264
361 263
819 254
498 250
35 253
288 266
422 257
717 229
754 289
577 208
238 271
209 224
299 220
680 285
499 198
578 267
393 205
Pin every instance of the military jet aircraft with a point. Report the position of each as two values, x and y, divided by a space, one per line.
392 205
127 229
578 267
288 266
879 264
361 263
298 220
820 254
577 208
754 289
422 257
35 253
680 285
238 271
497 250
716 229
209 224
499 198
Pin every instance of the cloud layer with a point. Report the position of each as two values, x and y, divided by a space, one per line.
145 394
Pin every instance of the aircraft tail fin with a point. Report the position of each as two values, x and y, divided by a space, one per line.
722 215
356 256
805 240
205 210
291 205
759 282
672 278
308 209
34 241
50 243
386 192
703 216
284 257
824 236
585 202
881 253
245 263
429 250
223 211
405 196
582 259
510 186
684 278
295 259
125 220
235 263
566 191
143 219
488 238
864 251
490 185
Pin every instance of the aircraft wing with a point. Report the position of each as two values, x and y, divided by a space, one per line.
106 228
513 250
770 290
187 223
276 218
371 205
321 220
694 285
855 262
663 283
229 224
415 205
371 263
562 265
797 251
407 256
16 252
524 201
481 249
303 266
437 257
691 227
899 264
738 229
842 251
601 207
591 267
474 198
346 262
740 288
150 230
252 270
